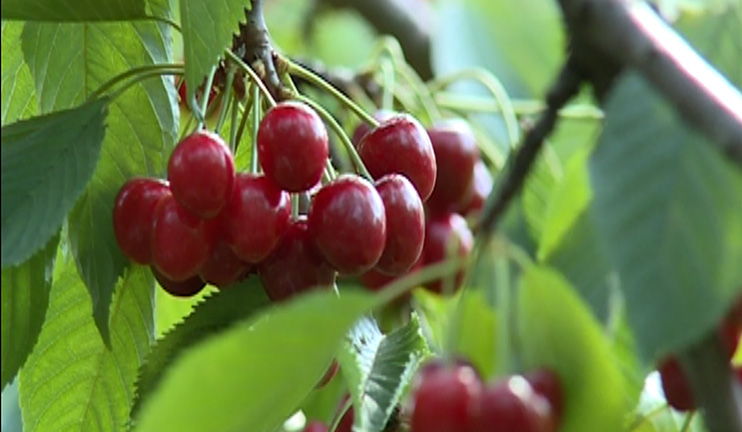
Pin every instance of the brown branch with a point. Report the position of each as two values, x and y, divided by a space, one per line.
629 33
408 27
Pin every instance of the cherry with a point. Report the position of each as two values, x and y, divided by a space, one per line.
511 405
546 383
401 145
456 153
363 128
255 218
133 211
730 329
347 222
375 280
292 146
405 224
443 399
329 375
675 385
183 93
479 190
186 288
201 174
295 265
315 426
223 268
442 231
346 422
181 242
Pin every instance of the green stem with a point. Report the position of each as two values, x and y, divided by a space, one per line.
476 104
205 97
335 126
495 87
142 72
414 279
255 125
316 80
340 414
243 125
253 77
233 126
642 418
387 75
686 422
421 90
227 99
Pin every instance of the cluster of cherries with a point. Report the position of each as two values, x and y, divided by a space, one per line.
210 224
451 179
674 381
453 398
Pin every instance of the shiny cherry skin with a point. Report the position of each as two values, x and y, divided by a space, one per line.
405 224
479 190
441 231
223 268
181 242
133 212
546 383
456 153
512 405
443 399
186 288
675 385
401 145
201 174
315 426
363 128
293 146
347 223
294 266
255 218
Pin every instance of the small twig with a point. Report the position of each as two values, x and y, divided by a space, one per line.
566 86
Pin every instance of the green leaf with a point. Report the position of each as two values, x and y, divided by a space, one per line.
213 315
538 190
46 163
557 331
72 10
18 95
207 31
72 380
10 411
142 128
379 368
253 375
669 216
25 297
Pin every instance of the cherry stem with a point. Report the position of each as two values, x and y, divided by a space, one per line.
140 73
476 104
340 414
255 125
243 124
387 76
496 89
313 78
227 98
686 422
205 95
645 417
335 126
253 77
233 126
431 272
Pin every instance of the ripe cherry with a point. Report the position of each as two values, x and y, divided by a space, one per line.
511 405
730 329
479 190
444 232
292 146
133 212
329 375
223 268
401 145
315 426
675 385
347 222
362 129
546 383
201 174
295 265
456 153
346 422
181 242
443 399
405 224
186 288
255 218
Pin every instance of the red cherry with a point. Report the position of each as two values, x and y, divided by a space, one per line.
329 375
295 265
456 153
201 174
346 422
675 385
133 212
181 242
315 426
375 280
223 268
363 128
405 224
347 222
479 190
293 146
186 288
511 405
442 231
401 145
255 218
730 329
443 400
546 383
